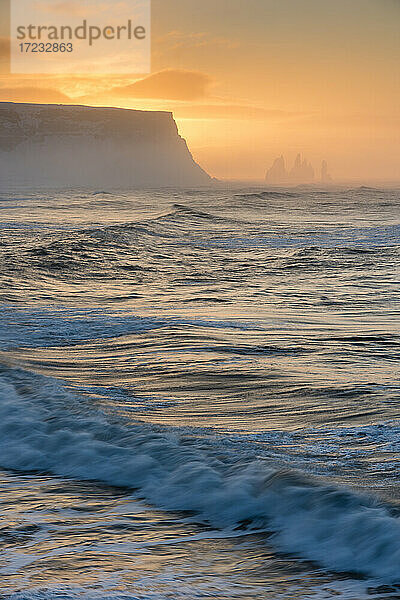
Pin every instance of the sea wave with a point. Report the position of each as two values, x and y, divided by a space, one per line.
264 195
44 428
30 328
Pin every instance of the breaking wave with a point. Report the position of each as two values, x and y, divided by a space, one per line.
267 194
44 428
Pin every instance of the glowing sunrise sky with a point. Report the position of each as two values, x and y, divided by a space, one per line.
248 80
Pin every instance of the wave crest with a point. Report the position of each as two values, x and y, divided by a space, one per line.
44 428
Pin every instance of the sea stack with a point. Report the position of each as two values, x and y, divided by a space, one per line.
302 172
277 173
325 177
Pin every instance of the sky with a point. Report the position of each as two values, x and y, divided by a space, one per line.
250 80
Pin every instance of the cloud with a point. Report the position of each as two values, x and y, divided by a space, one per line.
232 111
170 84
33 94
179 40
79 9
4 55
4 47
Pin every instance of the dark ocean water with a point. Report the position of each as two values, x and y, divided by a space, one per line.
199 394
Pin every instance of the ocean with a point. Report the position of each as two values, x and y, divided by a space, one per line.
199 394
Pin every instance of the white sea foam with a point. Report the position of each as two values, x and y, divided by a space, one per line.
44 428
345 590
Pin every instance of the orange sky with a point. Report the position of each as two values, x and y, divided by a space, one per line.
250 80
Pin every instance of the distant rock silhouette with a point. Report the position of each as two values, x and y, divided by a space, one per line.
325 177
277 173
302 172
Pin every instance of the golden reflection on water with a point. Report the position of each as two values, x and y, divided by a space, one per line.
258 316
57 533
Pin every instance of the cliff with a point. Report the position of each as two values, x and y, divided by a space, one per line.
66 146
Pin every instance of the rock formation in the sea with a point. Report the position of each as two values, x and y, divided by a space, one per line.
66 146
302 172
277 174
325 177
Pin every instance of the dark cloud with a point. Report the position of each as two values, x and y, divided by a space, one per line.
33 94
171 84
4 46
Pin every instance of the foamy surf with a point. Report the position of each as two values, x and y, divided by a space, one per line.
44 428
343 590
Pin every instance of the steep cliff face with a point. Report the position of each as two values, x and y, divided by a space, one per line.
66 146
